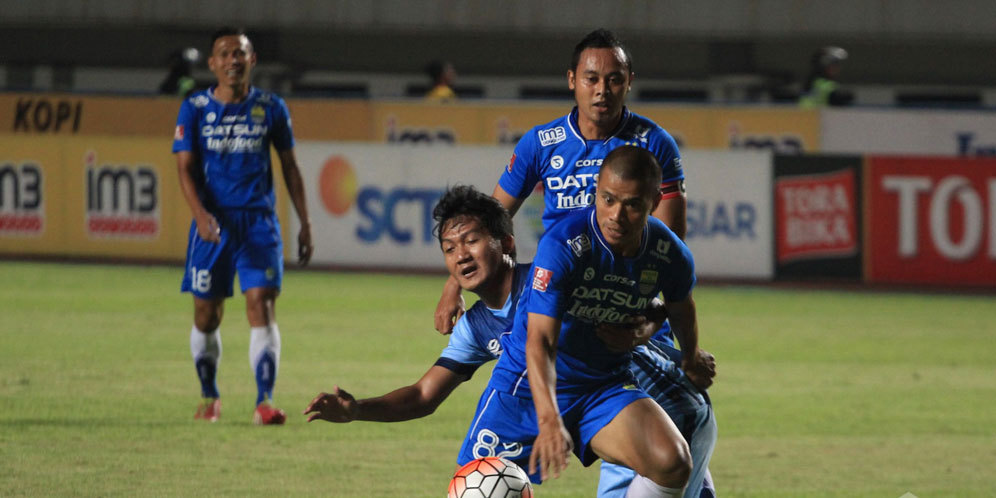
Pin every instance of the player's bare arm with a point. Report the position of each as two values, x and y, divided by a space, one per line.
450 308
207 226
508 201
295 187
406 403
685 327
672 212
553 444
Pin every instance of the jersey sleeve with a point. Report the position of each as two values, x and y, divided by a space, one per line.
682 271
551 279
522 173
464 353
666 150
185 134
282 133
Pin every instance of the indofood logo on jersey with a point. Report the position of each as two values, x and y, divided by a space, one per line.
22 210
571 190
603 304
234 134
121 200
400 214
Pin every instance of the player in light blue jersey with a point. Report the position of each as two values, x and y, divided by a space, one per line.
558 386
222 146
475 235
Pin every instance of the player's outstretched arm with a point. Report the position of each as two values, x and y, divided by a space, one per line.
450 308
685 326
295 187
207 226
406 403
553 445
620 338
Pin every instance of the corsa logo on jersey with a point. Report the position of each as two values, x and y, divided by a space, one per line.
121 200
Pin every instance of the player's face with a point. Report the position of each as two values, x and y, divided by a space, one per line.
622 207
232 59
472 255
600 83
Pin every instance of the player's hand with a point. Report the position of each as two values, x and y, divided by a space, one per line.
304 245
700 368
620 338
208 228
551 450
338 406
450 308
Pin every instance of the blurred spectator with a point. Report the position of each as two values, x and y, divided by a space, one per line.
442 75
821 88
180 81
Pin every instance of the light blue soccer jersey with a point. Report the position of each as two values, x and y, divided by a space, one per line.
577 278
477 335
232 145
557 154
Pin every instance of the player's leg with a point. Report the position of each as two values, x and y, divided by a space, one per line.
643 438
260 267
209 277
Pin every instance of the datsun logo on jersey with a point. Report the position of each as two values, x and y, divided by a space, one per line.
394 212
121 200
21 206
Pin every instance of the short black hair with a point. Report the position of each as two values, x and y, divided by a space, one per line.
466 201
634 163
600 38
227 31
435 69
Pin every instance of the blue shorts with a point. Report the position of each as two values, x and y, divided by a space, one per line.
688 408
250 245
505 425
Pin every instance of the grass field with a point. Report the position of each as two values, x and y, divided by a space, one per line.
820 393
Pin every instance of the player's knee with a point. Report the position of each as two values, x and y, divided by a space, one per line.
207 316
673 465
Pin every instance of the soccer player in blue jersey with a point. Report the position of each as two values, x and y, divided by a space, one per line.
565 153
475 235
558 387
222 146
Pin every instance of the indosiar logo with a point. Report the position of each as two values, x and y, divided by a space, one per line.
121 200
399 213
22 210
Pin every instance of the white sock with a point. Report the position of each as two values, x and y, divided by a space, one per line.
264 358
205 348
642 487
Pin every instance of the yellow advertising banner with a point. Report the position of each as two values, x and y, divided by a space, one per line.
782 130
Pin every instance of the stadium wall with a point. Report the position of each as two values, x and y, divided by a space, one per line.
93 177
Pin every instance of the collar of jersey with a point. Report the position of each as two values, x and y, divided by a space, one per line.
251 94
593 221
572 123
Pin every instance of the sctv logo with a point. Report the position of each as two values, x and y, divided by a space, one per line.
401 214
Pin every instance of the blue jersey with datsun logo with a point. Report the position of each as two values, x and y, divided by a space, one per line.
231 144
578 279
558 155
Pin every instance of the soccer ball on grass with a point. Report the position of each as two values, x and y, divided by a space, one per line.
490 477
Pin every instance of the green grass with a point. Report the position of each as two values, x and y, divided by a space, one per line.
820 393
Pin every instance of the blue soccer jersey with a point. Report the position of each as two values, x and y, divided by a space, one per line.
231 143
557 155
477 335
579 280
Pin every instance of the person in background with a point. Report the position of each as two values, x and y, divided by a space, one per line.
180 81
442 75
822 88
